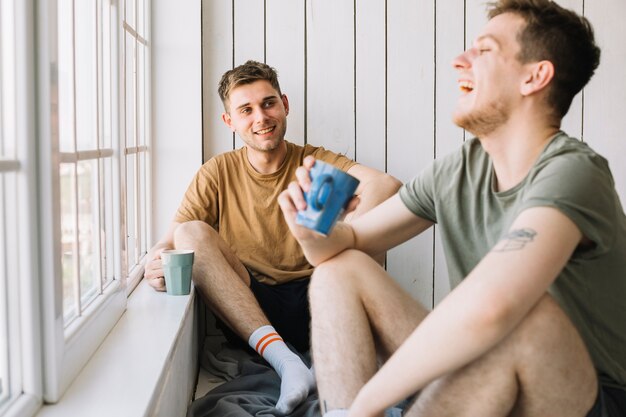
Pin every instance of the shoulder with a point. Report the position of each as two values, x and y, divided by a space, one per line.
225 160
569 160
319 152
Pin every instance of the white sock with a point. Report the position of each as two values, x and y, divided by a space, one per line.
337 413
296 379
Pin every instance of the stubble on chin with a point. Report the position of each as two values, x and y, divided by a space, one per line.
481 123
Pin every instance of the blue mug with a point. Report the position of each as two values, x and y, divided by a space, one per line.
331 191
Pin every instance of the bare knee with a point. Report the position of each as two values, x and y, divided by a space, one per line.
189 234
547 327
342 265
339 274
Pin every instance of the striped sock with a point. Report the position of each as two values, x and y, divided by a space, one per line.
296 379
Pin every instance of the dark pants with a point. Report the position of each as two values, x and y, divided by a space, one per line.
611 402
287 308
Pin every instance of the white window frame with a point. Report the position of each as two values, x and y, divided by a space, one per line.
23 292
46 352
136 26
67 349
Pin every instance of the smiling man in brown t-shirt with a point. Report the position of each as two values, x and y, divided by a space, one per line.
248 267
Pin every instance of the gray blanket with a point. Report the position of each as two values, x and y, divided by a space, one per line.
249 385
253 393
252 390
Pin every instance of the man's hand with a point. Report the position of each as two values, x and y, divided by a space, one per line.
154 270
292 200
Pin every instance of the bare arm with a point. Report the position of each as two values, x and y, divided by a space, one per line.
154 272
374 232
375 187
480 312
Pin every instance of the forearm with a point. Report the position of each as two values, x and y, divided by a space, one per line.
373 193
318 249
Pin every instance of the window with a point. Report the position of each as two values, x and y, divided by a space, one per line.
96 176
135 134
19 332
74 185
87 180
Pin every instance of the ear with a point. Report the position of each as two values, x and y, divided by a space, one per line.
228 121
285 103
538 78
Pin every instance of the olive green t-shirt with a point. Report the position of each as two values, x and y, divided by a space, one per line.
228 194
457 192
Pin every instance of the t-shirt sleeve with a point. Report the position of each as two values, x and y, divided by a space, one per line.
581 187
418 194
340 161
200 199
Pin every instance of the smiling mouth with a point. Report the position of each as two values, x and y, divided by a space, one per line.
264 131
466 86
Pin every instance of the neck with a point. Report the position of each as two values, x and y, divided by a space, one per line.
267 162
514 148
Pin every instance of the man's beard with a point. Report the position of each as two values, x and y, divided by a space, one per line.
482 122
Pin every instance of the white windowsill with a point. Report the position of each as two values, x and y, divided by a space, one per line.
123 374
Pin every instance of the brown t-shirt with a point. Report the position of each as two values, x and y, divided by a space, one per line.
228 194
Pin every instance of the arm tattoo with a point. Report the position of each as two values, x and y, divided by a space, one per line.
515 240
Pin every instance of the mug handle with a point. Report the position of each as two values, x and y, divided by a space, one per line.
318 193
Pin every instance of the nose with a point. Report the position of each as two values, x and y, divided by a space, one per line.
259 115
464 60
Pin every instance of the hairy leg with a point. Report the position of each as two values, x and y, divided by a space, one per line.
355 308
221 278
541 369
224 283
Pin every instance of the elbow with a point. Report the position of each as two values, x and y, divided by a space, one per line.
389 184
493 318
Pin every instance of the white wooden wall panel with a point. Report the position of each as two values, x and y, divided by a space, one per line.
330 75
572 122
449 32
374 79
605 97
217 58
249 38
285 51
475 19
371 116
249 29
410 131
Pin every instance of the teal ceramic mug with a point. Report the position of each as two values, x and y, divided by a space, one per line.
177 267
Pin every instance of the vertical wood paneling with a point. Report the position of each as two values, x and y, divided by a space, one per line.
370 83
376 82
217 58
285 52
449 137
330 75
249 30
475 19
410 127
572 122
249 38
605 95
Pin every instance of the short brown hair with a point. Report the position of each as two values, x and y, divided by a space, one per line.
557 35
246 73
